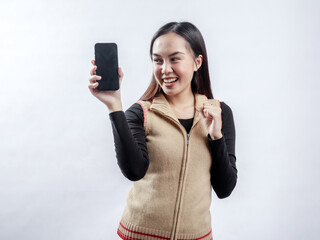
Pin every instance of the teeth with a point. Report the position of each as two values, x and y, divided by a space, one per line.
170 80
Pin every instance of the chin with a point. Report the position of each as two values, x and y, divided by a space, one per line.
170 93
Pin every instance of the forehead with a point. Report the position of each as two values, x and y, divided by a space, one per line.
168 43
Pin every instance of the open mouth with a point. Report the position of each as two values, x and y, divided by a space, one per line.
170 80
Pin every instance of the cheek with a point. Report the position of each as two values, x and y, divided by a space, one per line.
155 74
156 71
184 71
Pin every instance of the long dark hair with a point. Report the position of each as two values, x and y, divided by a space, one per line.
201 80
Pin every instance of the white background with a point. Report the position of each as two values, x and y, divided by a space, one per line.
58 174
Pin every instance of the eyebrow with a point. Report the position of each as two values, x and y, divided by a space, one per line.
172 54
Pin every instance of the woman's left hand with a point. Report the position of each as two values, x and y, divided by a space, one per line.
211 114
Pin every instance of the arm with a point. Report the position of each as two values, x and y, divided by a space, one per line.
223 170
130 143
131 149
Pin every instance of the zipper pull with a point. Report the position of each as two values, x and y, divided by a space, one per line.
188 139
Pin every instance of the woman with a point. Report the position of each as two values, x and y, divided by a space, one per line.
172 142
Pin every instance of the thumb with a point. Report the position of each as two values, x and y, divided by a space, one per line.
201 110
121 74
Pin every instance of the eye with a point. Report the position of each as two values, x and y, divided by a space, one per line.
174 59
157 60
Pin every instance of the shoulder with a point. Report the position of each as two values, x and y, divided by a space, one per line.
144 104
227 116
135 113
225 109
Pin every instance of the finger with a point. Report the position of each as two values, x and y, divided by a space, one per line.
93 62
121 74
210 106
208 113
199 108
94 78
93 70
201 112
213 102
93 85
205 113
215 108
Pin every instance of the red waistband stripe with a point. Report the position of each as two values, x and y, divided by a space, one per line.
123 236
144 234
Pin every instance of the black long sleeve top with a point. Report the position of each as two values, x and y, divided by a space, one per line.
132 152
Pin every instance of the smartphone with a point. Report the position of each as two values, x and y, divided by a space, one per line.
106 58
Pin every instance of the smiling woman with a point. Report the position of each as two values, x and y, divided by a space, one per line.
174 65
172 143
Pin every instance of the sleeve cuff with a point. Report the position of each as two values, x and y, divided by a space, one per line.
114 116
215 142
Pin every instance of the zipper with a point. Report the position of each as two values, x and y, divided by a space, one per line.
179 201
175 224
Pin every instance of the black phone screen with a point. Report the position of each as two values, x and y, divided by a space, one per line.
106 59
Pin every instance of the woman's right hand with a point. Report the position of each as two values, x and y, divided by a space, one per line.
112 99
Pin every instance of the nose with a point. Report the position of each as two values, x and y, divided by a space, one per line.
166 68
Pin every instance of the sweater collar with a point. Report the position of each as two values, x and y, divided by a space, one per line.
160 104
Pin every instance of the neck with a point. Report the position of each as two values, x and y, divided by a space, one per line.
185 99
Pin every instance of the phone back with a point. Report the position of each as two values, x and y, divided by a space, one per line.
106 57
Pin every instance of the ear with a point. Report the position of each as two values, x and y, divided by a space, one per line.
198 62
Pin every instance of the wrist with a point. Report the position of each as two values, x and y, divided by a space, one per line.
114 108
216 137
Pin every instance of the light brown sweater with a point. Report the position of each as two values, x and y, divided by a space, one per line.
172 201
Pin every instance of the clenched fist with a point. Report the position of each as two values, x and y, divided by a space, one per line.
211 113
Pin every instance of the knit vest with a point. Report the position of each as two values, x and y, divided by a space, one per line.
172 201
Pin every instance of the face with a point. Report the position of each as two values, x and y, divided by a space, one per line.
174 64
